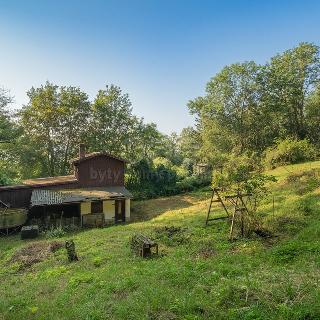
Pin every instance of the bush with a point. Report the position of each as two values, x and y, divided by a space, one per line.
55 233
150 180
289 151
242 173
181 172
157 162
192 183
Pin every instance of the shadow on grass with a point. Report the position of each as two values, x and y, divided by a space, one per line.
149 209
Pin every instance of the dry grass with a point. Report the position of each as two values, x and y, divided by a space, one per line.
34 253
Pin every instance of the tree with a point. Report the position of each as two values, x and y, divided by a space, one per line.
143 142
54 121
313 116
8 133
248 107
228 114
291 77
112 121
189 143
7 128
169 148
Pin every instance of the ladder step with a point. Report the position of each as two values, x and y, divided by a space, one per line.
241 209
217 218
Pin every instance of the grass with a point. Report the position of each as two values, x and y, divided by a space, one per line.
199 274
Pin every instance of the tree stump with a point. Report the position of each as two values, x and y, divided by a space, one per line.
71 251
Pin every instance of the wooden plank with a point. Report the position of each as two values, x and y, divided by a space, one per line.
218 218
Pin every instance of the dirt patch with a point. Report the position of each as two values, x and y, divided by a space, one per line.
35 253
263 233
171 235
204 249
205 253
169 231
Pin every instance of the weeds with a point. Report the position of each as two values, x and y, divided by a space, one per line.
202 276
55 233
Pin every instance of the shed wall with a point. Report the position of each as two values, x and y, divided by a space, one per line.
109 209
127 209
100 171
85 208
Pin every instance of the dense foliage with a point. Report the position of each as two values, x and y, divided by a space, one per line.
289 151
267 114
40 139
249 107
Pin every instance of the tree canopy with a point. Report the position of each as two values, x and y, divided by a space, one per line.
247 106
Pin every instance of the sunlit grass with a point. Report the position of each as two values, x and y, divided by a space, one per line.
199 275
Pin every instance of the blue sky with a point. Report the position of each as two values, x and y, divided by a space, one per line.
160 52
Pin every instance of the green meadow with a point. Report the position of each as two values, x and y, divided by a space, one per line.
199 273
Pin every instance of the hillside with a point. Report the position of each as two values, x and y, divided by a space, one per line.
199 273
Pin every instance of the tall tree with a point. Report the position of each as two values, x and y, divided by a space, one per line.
313 116
189 143
6 125
54 121
291 77
228 113
8 134
247 107
111 121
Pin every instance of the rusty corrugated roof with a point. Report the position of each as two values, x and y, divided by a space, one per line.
41 182
50 180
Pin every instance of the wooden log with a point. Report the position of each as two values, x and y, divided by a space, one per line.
71 251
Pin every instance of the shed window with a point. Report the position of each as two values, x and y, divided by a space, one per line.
96 207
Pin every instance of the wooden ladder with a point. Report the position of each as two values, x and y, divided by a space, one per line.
215 192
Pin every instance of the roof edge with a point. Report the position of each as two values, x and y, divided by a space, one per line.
97 154
31 186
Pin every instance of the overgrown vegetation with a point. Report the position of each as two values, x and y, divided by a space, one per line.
252 109
199 273
289 151
267 114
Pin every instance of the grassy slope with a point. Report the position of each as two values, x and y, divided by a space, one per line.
205 277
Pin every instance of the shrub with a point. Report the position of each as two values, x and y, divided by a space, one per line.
157 162
55 233
181 172
192 183
4 180
289 151
242 173
149 180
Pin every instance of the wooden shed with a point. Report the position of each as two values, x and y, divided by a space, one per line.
95 195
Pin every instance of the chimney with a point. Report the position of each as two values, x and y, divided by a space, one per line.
82 150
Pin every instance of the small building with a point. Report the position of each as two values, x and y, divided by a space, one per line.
94 195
